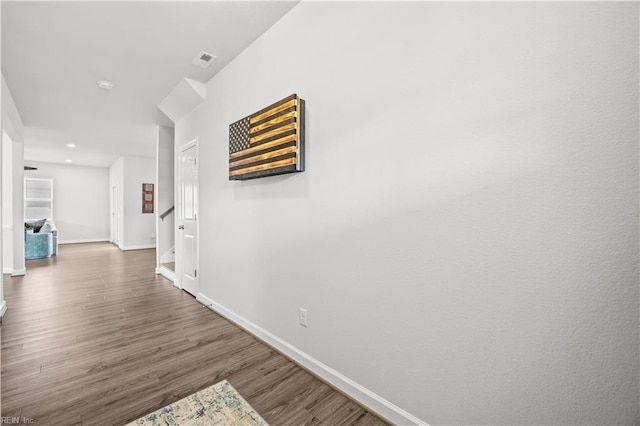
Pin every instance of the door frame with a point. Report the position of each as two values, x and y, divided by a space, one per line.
179 214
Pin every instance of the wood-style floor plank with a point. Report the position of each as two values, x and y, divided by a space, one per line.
95 337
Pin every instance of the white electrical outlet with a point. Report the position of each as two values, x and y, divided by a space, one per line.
302 317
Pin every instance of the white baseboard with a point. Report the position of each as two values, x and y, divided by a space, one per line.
3 309
143 247
19 272
364 396
89 240
14 272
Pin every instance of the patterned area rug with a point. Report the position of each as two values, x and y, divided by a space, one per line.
219 404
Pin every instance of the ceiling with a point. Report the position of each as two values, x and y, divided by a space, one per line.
53 54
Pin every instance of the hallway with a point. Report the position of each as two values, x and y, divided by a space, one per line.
94 337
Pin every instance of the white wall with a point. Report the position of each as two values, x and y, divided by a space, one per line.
465 237
116 179
80 200
138 230
12 122
165 191
17 182
13 233
3 303
7 205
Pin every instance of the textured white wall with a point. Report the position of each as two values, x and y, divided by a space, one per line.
80 200
465 237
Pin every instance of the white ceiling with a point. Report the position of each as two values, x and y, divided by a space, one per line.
53 53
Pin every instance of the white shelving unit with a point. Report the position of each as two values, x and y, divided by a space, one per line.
38 198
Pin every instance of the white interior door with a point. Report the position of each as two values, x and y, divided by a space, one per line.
115 217
187 209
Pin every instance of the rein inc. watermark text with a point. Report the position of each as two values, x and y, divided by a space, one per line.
16 420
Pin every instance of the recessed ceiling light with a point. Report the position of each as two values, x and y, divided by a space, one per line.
71 145
104 84
68 161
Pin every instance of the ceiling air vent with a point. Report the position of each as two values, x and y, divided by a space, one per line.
203 60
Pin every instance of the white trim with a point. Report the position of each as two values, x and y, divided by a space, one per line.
142 247
167 273
7 227
3 309
191 143
178 249
14 272
89 240
364 396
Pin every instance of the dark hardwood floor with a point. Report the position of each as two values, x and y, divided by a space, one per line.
94 337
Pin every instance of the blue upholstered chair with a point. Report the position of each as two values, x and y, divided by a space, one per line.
38 246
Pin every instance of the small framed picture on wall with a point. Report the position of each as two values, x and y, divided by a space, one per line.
147 198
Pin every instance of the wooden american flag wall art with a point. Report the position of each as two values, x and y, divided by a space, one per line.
268 142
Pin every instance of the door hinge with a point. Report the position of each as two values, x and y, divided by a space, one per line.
195 273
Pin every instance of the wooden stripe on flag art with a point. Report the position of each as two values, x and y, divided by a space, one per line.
269 142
